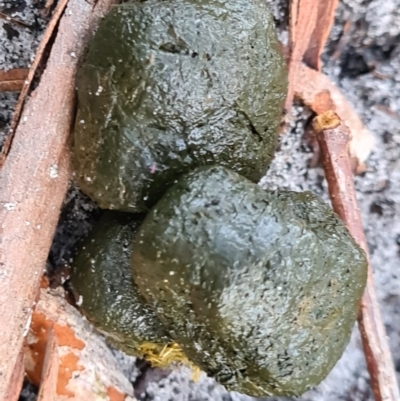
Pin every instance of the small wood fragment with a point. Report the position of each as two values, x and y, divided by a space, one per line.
67 358
13 80
319 93
333 137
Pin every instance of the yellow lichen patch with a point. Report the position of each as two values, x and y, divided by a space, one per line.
166 356
327 120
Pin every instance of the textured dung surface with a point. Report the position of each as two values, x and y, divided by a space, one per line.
102 276
369 47
168 86
261 288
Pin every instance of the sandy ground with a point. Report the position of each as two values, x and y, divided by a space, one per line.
366 71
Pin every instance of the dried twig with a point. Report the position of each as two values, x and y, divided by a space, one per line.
333 138
28 81
303 19
34 179
310 24
344 39
324 22
319 93
67 358
13 80
14 20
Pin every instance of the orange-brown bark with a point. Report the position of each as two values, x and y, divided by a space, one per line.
34 179
333 137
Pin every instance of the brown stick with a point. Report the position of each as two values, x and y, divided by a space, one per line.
13 80
34 179
14 20
333 138
319 93
309 27
303 16
323 26
28 81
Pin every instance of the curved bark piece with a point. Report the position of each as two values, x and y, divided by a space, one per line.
303 20
26 83
323 26
13 80
333 137
34 179
67 358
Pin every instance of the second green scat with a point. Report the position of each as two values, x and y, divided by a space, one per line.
102 276
171 85
261 289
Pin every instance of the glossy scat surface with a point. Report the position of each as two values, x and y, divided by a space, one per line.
261 289
171 85
102 276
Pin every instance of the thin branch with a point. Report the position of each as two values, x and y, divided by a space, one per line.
48 34
14 20
303 19
333 138
318 92
310 24
323 26
13 80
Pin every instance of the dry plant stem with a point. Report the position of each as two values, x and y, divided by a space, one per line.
319 93
344 39
303 16
323 26
334 143
13 80
310 24
34 179
14 20
28 81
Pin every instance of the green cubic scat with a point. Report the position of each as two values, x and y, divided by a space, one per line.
170 85
259 288
102 278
